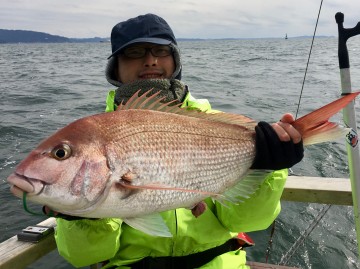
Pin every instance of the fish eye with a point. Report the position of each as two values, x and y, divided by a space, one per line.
61 152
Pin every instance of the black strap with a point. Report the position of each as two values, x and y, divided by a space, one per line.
185 262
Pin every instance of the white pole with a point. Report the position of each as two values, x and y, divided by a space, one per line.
350 118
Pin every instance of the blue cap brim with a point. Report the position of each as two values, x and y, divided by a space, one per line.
154 40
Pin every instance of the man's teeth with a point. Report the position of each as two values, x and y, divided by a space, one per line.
151 76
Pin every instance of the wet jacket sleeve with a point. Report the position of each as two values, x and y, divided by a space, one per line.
85 242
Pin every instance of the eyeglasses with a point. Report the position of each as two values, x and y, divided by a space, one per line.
136 52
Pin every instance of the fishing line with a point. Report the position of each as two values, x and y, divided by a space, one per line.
26 207
307 64
285 258
297 243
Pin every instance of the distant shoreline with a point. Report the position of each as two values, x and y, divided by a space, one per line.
24 36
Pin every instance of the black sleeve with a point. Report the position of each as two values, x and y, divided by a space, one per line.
273 154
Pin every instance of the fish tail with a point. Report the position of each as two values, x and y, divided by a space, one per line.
315 126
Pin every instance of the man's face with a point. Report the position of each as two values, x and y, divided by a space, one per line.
139 62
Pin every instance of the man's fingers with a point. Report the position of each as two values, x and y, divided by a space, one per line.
280 131
293 134
287 118
286 132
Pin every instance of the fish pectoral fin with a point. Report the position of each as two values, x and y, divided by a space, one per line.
245 188
150 224
128 177
160 186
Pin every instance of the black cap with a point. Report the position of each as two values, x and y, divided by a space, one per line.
147 28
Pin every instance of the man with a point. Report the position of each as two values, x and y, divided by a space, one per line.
145 56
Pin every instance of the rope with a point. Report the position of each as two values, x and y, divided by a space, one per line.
285 258
307 64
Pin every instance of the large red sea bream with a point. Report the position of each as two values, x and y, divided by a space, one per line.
148 157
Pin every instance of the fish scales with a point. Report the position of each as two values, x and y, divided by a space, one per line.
181 153
142 159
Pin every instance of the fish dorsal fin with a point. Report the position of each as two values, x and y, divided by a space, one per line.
146 102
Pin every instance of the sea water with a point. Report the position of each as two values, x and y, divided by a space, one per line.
45 86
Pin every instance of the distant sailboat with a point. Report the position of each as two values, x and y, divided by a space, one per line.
286 36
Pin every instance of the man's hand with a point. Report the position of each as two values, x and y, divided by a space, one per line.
278 145
285 131
49 212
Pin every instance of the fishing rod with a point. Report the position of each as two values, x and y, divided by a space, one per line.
349 116
351 137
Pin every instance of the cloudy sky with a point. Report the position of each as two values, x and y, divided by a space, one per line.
188 18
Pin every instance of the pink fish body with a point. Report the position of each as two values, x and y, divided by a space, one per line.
142 159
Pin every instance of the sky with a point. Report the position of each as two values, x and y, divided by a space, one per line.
187 18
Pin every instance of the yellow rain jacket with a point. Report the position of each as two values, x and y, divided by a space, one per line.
85 242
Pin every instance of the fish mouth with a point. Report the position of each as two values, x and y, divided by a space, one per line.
21 183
